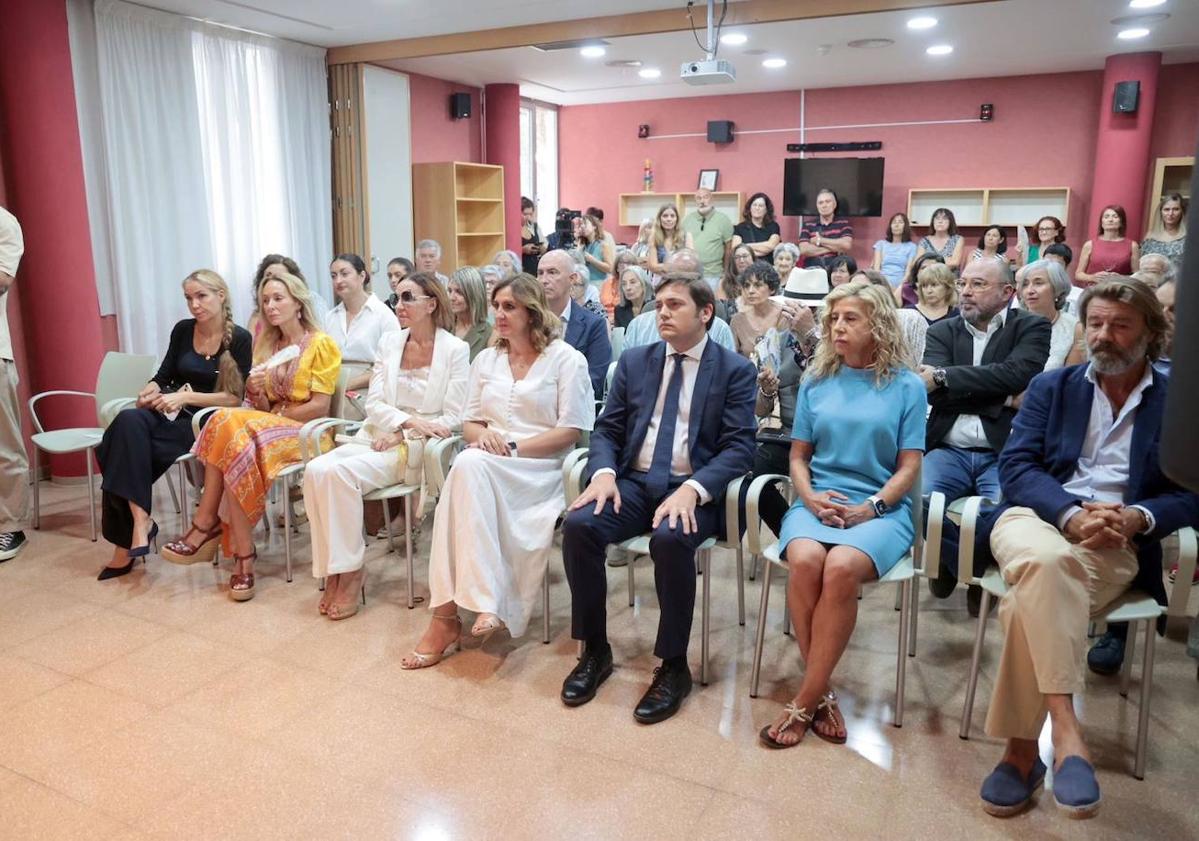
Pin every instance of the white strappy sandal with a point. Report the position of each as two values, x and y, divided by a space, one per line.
419 660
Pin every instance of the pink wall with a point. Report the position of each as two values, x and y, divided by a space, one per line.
1008 152
436 137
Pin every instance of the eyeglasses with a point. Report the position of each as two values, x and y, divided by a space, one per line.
976 285
409 298
1047 229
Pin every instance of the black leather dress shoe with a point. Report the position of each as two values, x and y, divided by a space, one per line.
945 583
583 681
665 695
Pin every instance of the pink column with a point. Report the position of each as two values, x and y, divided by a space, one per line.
59 311
1122 144
501 121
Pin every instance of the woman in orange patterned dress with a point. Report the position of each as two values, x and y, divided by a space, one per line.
242 450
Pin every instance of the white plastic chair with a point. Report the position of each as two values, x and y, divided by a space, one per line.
121 377
617 340
902 574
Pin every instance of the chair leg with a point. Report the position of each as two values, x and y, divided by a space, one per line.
705 618
174 495
913 614
899 598
37 481
740 588
786 612
91 492
1146 692
975 663
753 567
760 631
1126 667
901 660
184 499
287 523
545 606
407 545
631 564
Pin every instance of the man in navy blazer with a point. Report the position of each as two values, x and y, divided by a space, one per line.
584 331
677 427
1085 507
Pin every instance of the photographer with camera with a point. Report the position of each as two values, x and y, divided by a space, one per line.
532 244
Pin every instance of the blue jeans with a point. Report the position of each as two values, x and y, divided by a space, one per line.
956 473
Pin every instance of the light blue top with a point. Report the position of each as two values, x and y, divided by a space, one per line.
596 250
643 330
896 256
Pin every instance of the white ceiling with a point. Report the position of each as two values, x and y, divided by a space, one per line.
1003 38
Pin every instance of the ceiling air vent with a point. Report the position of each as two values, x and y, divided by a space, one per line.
578 43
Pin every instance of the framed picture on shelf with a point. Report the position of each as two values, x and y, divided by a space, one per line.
707 179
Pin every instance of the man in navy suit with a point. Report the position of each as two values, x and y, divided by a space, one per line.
585 331
677 427
1086 506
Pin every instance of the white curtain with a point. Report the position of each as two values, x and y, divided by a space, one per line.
217 152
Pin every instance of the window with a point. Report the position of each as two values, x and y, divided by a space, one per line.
539 159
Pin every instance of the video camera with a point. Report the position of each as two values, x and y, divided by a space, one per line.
564 227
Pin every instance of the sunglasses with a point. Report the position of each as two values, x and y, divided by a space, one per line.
409 298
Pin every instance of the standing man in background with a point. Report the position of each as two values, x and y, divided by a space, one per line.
712 234
14 464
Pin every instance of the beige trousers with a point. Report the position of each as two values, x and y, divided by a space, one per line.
14 461
1055 586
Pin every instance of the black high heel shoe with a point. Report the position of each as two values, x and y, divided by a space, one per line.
142 551
135 554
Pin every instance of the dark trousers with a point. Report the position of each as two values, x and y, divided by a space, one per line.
138 447
585 537
772 505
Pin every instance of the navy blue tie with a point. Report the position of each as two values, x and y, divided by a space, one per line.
658 479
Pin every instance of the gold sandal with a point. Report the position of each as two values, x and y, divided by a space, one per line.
420 660
794 714
828 707
355 583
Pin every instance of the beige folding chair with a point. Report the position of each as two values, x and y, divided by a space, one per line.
902 574
121 377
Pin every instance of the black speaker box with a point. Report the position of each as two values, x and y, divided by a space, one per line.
460 105
720 131
1126 97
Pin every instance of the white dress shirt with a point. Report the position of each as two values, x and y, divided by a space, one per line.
1103 463
360 340
967 431
680 457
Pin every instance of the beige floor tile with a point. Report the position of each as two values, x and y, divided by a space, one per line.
30 810
166 669
31 611
21 680
90 642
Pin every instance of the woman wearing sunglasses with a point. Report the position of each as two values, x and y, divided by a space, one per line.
417 390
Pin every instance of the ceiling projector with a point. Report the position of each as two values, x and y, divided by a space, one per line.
709 72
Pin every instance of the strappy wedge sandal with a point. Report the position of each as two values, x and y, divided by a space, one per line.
181 552
795 715
828 708
420 660
241 584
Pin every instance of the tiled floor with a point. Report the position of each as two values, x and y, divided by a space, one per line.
152 706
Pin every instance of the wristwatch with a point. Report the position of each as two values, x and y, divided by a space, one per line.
512 446
878 504
940 378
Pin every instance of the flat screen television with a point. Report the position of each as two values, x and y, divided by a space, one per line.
858 183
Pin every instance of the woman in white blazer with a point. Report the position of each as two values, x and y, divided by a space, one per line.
417 391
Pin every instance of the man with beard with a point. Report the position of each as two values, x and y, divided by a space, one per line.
1086 506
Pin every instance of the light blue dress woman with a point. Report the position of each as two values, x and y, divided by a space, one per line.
596 250
856 428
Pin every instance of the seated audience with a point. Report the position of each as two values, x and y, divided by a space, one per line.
761 320
417 391
583 294
398 268
729 290
943 239
974 366
991 245
428 258
908 294
508 262
1060 252
242 450
893 256
825 235
1165 297
643 330
582 329
840 269
757 228
912 324
468 308
668 237
360 319
532 243
1086 506
784 259
1110 254
529 398
937 292
648 474
856 450
1168 234
1048 230
710 233
1044 290
271 266
635 295
1154 269
206 364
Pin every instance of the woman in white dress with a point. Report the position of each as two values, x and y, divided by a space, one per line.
360 319
417 391
1043 289
528 401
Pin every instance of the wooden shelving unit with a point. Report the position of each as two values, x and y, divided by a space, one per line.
978 206
461 205
634 207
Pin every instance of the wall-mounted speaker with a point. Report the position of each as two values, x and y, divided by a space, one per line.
720 131
459 106
1126 98
643 130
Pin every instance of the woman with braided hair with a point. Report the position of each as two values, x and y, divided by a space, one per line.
206 364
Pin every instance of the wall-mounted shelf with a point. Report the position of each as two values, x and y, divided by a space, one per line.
978 206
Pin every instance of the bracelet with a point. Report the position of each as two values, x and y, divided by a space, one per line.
770 394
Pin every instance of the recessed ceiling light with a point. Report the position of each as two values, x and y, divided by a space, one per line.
922 23
870 43
649 73
592 51
1132 34
1145 4
774 63
734 39
939 49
